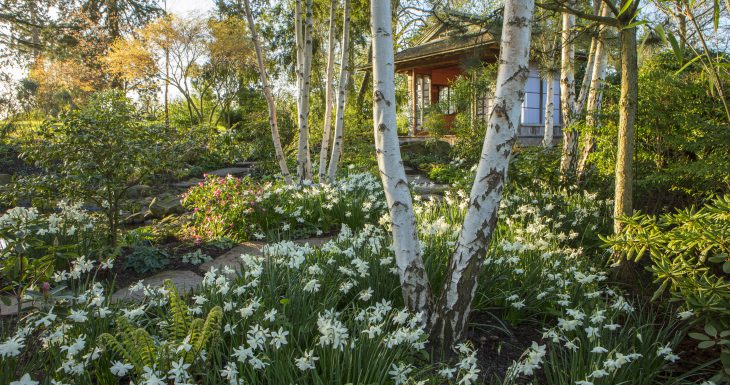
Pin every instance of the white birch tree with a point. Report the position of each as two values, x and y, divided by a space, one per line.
303 26
595 96
548 133
567 96
452 310
341 95
329 94
414 281
273 122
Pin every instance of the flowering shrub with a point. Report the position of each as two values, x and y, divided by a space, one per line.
241 209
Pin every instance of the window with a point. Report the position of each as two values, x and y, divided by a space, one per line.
533 107
446 98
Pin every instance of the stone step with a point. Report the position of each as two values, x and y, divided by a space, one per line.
185 281
234 171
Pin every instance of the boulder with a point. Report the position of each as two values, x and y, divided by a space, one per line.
138 191
232 258
164 206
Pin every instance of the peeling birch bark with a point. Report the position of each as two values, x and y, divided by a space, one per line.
585 85
329 95
414 281
567 97
547 137
451 313
595 96
341 96
273 121
303 25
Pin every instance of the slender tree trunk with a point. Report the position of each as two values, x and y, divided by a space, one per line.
414 281
273 122
452 310
567 97
627 116
329 94
547 138
341 95
585 85
595 96
365 81
303 24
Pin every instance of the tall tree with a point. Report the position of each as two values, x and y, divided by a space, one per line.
329 93
567 96
595 95
413 277
273 122
454 305
628 103
303 26
341 95
448 318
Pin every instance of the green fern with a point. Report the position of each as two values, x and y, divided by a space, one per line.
181 318
137 347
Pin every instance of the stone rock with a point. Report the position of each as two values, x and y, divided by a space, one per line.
188 183
12 307
430 189
185 281
232 258
164 206
136 218
5 179
138 191
235 171
316 241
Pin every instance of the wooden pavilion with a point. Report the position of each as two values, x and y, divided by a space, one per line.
451 44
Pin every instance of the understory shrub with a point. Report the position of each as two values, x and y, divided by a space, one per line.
242 209
690 259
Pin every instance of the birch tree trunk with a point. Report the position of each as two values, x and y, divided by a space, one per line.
273 122
547 138
329 94
585 85
341 95
303 25
567 97
414 281
595 96
453 308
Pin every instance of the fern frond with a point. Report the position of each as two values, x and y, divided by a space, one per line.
145 345
181 317
109 342
210 329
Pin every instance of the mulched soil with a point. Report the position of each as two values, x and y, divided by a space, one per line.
500 346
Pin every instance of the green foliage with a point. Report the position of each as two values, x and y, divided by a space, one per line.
140 349
689 258
242 209
34 246
100 150
146 258
680 131
196 257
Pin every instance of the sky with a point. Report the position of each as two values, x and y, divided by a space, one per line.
184 7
